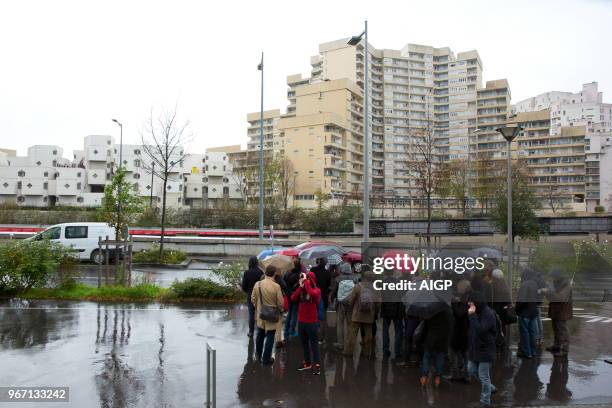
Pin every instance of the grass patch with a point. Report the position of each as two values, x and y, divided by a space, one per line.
140 292
193 290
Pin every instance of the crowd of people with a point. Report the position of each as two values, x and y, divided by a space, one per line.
461 339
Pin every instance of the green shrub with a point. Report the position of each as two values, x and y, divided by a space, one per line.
27 264
151 255
600 209
193 288
148 218
230 274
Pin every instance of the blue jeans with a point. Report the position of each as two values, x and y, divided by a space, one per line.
268 336
527 332
481 370
438 360
310 342
251 308
398 326
291 320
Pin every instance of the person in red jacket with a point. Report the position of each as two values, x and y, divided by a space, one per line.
307 296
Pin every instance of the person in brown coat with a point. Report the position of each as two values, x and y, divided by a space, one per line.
560 310
364 303
266 292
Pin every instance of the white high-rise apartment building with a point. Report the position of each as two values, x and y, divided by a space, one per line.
415 90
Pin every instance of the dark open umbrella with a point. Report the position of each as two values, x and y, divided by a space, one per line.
426 303
320 252
486 252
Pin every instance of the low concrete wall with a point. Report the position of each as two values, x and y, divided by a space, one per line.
232 247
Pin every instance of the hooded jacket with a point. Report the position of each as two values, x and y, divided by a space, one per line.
528 298
251 276
308 298
482 331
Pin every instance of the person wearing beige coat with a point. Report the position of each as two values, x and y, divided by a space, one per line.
266 292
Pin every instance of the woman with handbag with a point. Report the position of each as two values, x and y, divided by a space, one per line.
268 300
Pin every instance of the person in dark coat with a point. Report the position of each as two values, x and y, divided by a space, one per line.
481 344
324 280
437 338
459 339
251 276
292 279
392 313
560 310
527 312
542 286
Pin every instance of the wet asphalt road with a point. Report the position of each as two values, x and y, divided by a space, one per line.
124 355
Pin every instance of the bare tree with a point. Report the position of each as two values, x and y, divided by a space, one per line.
455 183
552 197
240 177
487 178
286 180
163 139
424 165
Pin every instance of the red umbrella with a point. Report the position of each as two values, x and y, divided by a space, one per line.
310 244
351 257
401 266
289 252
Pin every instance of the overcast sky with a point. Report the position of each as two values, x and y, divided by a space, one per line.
68 67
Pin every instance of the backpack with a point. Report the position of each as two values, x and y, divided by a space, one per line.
366 300
345 287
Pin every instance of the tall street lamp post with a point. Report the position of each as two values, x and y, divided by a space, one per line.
119 186
509 133
366 138
260 67
120 142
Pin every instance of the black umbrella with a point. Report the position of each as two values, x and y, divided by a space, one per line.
426 303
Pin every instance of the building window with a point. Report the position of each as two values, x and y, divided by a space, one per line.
20 199
79 174
78 186
46 174
38 163
21 173
136 176
29 185
19 185
45 186
55 152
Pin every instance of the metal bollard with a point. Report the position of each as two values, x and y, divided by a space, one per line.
211 381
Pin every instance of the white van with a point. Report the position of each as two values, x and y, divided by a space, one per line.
80 236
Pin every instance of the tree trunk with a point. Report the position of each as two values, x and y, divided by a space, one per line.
163 220
428 220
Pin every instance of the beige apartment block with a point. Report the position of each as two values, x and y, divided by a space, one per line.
323 139
556 162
